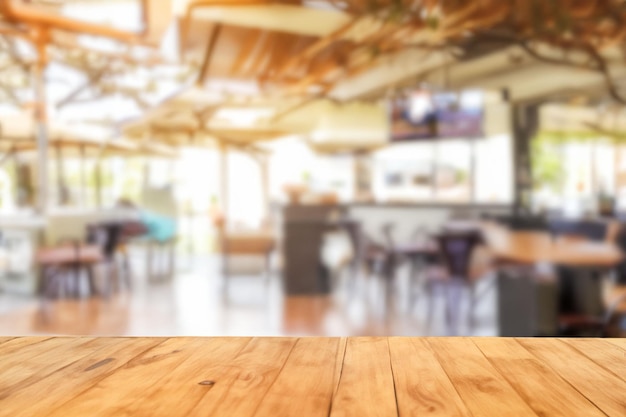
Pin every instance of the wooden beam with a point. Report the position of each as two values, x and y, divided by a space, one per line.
315 48
31 15
208 55
262 55
360 57
247 50
93 78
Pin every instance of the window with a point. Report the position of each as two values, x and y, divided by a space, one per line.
572 174
450 171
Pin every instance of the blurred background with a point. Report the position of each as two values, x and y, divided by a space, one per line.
343 168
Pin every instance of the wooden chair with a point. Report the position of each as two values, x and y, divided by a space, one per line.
66 262
246 243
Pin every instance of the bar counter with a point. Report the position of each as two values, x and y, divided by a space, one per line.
83 376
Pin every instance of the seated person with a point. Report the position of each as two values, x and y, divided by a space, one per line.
156 226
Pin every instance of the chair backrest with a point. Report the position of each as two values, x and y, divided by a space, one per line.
595 230
106 235
456 249
611 312
387 231
357 239
529 223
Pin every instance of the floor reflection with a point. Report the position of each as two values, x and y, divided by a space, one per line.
195 304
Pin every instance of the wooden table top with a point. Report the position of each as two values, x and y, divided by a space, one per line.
63 376
534 247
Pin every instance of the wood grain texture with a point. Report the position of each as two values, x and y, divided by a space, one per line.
308 377
5 339
600 386
106 357
154 376
244 381
530 377
258 377
18 343
483 389
32 362
341 354
422 386
366 383
609 356
193 379
618 342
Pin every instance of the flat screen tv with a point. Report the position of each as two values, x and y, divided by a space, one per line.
421 114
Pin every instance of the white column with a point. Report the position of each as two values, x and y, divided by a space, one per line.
41 130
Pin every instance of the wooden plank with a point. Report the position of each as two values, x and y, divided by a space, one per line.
192 379
341 355
306 380
40 359
145 377
600 386
366 384
617 342
14 345
422 386
484 391
244 381
542 388
108 355
611 357
5 339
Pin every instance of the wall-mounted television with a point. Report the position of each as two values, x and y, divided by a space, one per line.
421 114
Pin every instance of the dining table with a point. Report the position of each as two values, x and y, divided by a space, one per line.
310 377
533 247
532 307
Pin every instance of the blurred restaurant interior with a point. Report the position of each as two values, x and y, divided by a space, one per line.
312 168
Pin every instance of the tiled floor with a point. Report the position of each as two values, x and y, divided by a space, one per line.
194 303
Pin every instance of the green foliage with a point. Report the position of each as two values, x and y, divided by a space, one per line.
461 176
547 166
432 22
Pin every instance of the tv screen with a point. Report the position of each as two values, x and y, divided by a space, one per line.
421 114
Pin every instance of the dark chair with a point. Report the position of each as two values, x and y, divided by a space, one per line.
620 240
595 230
521 223
378 259
358 245
456 251
582 325
111 237
575 284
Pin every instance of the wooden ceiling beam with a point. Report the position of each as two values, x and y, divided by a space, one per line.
208 55
65 46
30 15
93 78
258 56
376 40
315 48
248 47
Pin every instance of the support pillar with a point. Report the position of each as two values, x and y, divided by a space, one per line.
525 125
41 129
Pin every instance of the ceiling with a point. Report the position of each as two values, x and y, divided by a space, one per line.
242 71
